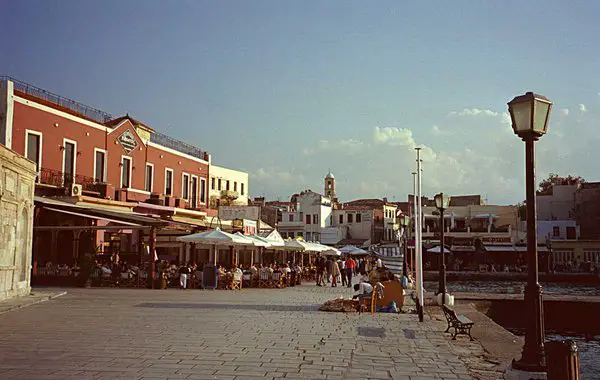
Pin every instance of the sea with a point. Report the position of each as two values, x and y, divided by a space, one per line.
589 347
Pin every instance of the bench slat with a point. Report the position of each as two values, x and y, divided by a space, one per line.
464 320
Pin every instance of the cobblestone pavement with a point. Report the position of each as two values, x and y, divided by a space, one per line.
248 334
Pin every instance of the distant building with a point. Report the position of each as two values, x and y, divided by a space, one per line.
227 187
558 205
308 215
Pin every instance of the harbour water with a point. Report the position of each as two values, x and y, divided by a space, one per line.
589 347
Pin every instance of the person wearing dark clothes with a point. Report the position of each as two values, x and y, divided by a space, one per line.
320 271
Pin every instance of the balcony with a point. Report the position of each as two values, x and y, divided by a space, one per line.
56 178
229 194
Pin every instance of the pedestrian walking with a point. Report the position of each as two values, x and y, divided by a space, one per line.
329 269
184 272
350 267
343 273
320 271
335 272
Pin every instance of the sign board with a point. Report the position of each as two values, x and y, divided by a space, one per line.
239 212
127 141
496 240
250 227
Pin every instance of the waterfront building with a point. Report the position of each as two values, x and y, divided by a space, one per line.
133 186
228 187
17 178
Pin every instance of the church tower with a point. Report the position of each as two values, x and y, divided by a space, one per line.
330 186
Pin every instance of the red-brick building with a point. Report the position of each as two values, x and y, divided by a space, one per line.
113 158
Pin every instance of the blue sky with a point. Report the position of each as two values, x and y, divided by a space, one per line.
288 89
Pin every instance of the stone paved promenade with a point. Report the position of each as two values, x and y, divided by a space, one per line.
248 334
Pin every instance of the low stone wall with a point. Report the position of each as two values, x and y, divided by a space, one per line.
17 185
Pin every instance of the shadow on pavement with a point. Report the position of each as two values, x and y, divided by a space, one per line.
167 305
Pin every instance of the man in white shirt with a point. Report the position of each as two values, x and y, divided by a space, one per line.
379 263
237 274
364 289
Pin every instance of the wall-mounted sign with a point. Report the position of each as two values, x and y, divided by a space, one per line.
496 240
239 212
127 141
250 227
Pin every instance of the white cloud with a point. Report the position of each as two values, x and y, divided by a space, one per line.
582 108
472 152
473 112
349 146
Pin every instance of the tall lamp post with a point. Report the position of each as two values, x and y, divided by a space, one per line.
529 114
441 203
404 222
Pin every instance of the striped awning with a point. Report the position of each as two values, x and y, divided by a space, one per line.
393 264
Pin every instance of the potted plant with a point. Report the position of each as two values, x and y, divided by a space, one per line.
87 264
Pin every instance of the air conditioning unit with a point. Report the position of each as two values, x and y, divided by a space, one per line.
73 190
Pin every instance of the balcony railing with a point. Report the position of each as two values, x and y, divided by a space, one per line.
76 107
180 146
59 179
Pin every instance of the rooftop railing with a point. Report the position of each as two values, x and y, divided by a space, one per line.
76 107
177 145
100 116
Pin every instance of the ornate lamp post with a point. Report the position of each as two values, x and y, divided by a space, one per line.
529 114
404 222
441 203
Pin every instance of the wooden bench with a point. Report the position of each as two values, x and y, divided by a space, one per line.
460 323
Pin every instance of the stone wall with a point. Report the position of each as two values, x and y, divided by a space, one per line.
17 184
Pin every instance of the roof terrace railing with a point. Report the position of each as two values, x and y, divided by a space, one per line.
101 116
81 109
177 145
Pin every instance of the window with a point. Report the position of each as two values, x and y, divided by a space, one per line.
284 235
33 148
234 186
227 185
169 182
242 188
125 172
308 236
358 218
290 217
212 183
219 186
149 178
316 219
69 160
350 218
185 186
99 166
571 233
341 218
194 192
203 190
307 218
555 231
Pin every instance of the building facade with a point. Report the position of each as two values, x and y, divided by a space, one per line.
17 183
227 187
309 215
86 150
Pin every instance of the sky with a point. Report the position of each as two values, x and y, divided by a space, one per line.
288 90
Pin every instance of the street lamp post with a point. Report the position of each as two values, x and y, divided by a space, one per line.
529 114
441 203
404 222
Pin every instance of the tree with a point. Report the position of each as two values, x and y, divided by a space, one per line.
522 209
554 179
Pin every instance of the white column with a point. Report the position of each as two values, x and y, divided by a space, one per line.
6 109
419 235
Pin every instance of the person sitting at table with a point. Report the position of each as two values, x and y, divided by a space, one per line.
253 271
286 269
237 273
221 270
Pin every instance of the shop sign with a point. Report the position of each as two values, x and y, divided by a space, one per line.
127 141
250 227
496 240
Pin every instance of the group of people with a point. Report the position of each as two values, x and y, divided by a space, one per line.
330 270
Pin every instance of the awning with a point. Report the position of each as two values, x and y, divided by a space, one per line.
80 214
500 248
187 220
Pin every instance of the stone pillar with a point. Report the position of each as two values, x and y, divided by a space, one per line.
76 235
